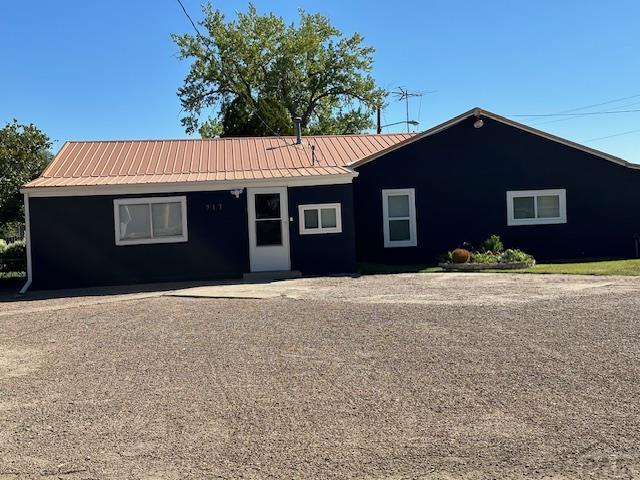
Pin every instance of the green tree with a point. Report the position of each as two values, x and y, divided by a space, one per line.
24 153
259 72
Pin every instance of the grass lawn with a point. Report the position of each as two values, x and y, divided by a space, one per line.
602 267
605 267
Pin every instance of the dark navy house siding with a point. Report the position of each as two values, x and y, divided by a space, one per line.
461 176
73 242
323 253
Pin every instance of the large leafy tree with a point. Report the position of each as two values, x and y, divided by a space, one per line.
24 153
257 72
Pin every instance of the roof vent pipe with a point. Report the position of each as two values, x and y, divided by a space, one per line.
298 125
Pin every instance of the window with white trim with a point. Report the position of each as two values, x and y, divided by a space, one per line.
536 207
320 218
399 217
150 220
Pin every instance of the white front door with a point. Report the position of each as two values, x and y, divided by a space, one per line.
268 229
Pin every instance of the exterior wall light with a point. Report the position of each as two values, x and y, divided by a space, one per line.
479 123
236 192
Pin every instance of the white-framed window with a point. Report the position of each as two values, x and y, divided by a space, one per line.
320 218
150 220
399 217
536 207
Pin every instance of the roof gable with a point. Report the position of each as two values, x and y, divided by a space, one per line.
479 112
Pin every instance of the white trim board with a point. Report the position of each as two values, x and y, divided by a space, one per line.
413 235
27 221
180 187
479 112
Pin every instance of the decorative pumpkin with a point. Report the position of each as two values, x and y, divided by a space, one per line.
460 255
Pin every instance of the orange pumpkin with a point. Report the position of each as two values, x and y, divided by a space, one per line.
460 255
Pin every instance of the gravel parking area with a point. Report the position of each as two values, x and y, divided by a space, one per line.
429 376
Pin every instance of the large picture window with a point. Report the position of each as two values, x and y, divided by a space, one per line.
150 220
399 216
320 218
536 207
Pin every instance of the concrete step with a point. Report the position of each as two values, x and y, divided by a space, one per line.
270 276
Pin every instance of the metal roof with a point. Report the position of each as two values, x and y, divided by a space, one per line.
221 159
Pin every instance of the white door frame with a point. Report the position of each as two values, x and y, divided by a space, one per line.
269 257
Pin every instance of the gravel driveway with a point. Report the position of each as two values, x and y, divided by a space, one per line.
432 376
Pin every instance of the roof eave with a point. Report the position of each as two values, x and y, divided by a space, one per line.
188 186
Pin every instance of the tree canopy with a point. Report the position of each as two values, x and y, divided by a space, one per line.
24 153
257 72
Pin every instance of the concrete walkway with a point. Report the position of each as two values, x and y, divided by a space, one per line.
295 288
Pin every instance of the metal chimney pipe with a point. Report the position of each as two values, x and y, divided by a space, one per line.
298 125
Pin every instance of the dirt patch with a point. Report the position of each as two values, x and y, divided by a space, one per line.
16 362
386 377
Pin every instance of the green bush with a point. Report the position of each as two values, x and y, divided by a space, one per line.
445 258
492 244
15 250
3 246
513 255
484 257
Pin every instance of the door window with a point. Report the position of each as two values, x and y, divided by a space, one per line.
268 219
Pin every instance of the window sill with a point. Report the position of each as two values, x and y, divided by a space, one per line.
536 221
400 244
151 241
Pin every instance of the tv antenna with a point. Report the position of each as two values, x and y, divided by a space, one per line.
403 93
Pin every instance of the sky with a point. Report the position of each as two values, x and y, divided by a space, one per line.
84 70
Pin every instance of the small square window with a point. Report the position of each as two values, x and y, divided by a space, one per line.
548 206
311 219
524 207
536 207
328 217
320 218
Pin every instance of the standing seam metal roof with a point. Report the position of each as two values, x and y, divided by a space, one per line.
166 161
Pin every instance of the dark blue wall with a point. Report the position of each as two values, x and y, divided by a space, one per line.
73 243
461 176
73 240
323 253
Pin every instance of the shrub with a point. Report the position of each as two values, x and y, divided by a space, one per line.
460 255
492 244
15 250
484 257
446 258
3 246
513 255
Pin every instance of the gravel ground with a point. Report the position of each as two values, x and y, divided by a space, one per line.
398 376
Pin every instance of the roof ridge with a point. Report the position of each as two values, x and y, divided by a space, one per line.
337 135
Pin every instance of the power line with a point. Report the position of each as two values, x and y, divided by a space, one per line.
590 106
611 136
600 104
247 97
574 114
572 118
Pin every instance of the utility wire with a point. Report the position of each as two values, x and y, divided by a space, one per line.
600 104
611 136
572 118
247 97
574 114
